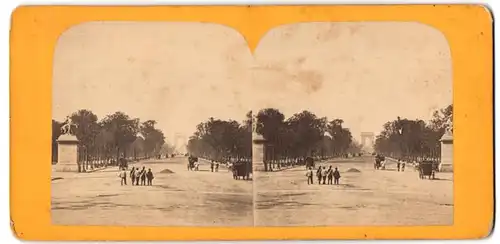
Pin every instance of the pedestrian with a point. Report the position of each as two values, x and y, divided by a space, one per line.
399 164
143 176
212 166
216 166
137 176
336 176
309 175
132 175
150 177
330 175
318 174
403 166
123 177
323 174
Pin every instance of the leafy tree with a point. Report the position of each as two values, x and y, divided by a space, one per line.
303 134
56 132
306 130
86 131
219 139
153 138
413 139
116 134
341 137
124 130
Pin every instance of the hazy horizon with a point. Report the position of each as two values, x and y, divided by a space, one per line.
180 74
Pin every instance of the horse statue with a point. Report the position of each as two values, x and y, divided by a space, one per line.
68 124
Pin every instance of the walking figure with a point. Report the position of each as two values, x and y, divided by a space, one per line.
150 177
137 176
143 176
212 166
217 167
123 176
399 164
309 175
336 176
323 174
132 175
318 174
330 175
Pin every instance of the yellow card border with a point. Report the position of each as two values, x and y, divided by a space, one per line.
35 31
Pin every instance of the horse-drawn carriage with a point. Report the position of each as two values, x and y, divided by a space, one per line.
191 162
242 169
427 168
309 162
122 164
379 162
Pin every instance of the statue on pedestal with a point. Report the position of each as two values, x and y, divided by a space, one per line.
449 126
68 124
67 148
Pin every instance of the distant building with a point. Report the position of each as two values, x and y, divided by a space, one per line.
367 141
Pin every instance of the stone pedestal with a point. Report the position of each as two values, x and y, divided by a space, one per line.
446 164
67 153
258 152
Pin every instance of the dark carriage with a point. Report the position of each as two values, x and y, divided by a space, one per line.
122 164
378 161
191 161
242 170
427 169
310 162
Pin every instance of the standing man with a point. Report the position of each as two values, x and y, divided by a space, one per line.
137 176
399 164
123 176
330 175
132 175
212 166
324 172
216 166
143 176
318 174
309 175
150 177
336 176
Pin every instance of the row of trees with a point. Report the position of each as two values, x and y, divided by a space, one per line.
303 134
414 139
221 139
113 136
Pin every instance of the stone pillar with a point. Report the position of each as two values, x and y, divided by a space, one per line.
446 164
258 152
67 158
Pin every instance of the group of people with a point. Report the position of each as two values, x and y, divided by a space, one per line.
401 165
137 176
214 166
323 174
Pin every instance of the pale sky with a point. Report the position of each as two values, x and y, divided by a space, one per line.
179 74
365 73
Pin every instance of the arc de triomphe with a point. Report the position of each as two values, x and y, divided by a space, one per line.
367 141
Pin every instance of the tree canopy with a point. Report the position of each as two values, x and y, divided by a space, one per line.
115 135
303 134
414 138
219 139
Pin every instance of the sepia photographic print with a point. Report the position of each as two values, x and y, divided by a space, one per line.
158 119
323 124
355 123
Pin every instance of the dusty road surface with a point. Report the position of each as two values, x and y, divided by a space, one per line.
368 197
181 198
